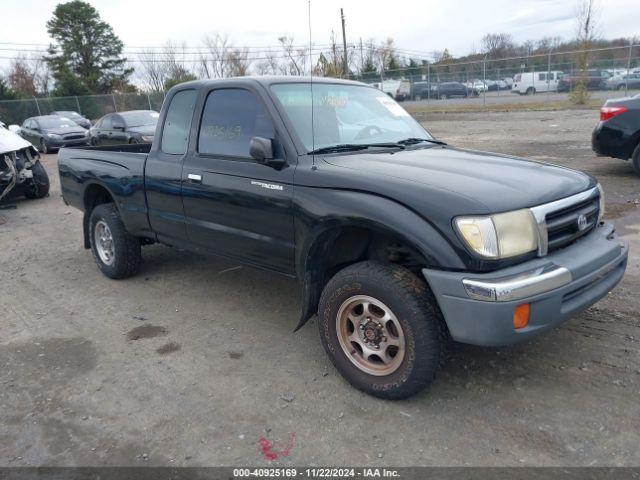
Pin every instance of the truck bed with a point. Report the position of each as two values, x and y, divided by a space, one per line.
117 168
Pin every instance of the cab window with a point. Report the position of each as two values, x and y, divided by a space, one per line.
231 117
175 134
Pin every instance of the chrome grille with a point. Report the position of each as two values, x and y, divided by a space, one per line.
565 220
75 136
563 226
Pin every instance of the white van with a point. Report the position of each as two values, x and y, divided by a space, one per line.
397 89
531 82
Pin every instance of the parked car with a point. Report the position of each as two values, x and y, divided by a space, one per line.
450 90
617 134
593 79
476 87
421 90
75 116
397 239
528 83
620 82
21 172
398 89
50 132
135 126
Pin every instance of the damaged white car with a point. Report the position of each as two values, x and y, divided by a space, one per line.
21 172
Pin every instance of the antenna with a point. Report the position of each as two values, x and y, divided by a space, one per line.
313 131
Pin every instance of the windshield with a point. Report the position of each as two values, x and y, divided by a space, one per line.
56 122
140 119
345 114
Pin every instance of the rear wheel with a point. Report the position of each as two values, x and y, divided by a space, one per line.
40 187
382 329
117 252
635 159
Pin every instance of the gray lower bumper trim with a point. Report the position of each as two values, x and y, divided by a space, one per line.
516 287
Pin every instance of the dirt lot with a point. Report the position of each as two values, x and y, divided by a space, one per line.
193 361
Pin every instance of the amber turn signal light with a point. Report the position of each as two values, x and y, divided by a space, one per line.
521 316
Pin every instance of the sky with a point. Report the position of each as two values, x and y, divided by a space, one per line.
420 25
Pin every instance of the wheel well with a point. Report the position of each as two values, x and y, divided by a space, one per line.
354 244
339 248
96 195
93 196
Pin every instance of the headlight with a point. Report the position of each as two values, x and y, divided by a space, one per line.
146 138
55 136
601 212
502 235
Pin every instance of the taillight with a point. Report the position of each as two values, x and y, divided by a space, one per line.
607 113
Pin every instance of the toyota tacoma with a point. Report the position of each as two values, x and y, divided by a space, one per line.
399 241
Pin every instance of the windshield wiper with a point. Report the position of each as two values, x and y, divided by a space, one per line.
354 147
413 141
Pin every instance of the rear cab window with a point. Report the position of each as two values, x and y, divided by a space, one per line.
177 123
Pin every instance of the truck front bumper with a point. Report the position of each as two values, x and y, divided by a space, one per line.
479 308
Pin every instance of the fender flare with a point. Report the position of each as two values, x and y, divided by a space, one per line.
363 210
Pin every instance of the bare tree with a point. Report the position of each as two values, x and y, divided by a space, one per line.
214 64
295 58
29 76
269 65
497 45
238 62
587 16
168 65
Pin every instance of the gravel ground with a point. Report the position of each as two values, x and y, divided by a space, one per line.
193 361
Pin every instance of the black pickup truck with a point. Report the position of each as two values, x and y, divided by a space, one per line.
399 241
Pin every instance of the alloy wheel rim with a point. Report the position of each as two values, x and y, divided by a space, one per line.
104 243
370 335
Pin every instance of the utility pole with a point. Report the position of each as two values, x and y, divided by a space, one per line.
344 45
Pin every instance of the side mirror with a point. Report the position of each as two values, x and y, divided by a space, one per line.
261 149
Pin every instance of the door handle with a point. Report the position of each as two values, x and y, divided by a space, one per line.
194 177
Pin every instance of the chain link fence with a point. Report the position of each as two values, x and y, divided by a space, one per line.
548 77
612 72
90 106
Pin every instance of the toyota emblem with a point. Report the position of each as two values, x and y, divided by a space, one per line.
582 222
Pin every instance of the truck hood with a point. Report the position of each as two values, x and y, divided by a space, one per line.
497 182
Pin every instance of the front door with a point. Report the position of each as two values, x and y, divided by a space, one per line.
234 205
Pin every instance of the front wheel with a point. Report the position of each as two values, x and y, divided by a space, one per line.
382 329
40 186
43 147
116 252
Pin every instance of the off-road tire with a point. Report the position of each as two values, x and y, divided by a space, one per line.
128 254
635 159
40 187
416 309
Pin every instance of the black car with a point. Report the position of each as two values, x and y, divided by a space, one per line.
593 79
449 90
135 126
75 116
421 90
50 132
618 133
